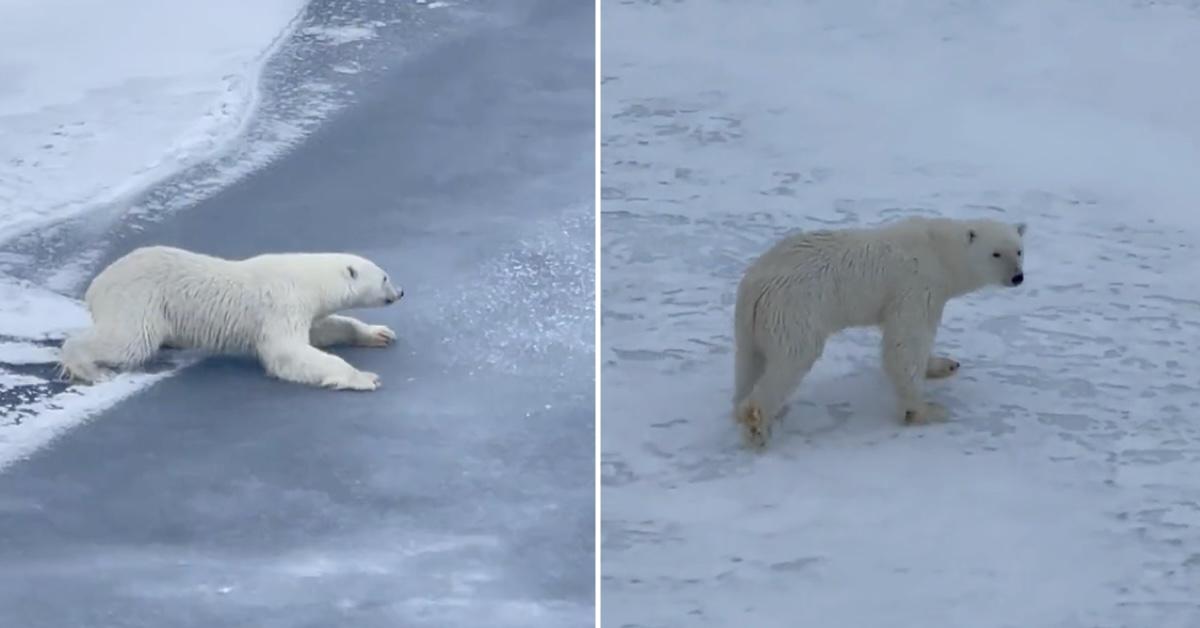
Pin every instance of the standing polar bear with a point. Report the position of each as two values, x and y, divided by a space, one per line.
898 277
280 307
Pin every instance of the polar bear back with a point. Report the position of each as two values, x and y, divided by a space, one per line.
825 281
835 278
198 301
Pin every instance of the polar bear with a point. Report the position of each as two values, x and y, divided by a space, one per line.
898 277
279 307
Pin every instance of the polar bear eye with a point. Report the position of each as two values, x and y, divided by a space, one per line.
1018 252
996 254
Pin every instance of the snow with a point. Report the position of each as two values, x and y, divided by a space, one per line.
63 412
343 34
36 314
104 99
25 353
1063 492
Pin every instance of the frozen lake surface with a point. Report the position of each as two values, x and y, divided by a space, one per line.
1065 490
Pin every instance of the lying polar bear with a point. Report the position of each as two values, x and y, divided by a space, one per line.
279 307
897 277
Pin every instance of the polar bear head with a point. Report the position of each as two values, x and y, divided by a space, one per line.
995 252
366 284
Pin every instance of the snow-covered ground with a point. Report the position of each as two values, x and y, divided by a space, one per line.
1066 490
102 98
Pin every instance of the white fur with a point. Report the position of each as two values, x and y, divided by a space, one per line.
279 307
897 277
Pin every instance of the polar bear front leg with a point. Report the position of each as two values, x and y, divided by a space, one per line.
295 360
938 367
907 340
336 329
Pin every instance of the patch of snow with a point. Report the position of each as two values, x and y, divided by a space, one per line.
25 353
551 266
13 380
347 68
102 100
34 313
65 411
344 34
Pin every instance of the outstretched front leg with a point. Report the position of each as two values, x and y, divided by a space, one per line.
336 329
292 359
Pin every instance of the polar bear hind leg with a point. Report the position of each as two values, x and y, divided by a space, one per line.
782 372
336 329
748 368
294 360
90 354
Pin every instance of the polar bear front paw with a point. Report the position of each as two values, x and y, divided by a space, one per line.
377 336
939 367
358 380
924 414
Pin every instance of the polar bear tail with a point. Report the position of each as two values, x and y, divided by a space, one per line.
748 361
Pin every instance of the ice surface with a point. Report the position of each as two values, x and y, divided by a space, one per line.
1064 492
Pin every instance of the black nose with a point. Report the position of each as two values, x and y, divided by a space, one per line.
1018 278
401 294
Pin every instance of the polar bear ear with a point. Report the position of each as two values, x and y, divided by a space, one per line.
353 273
1020 229
970 236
